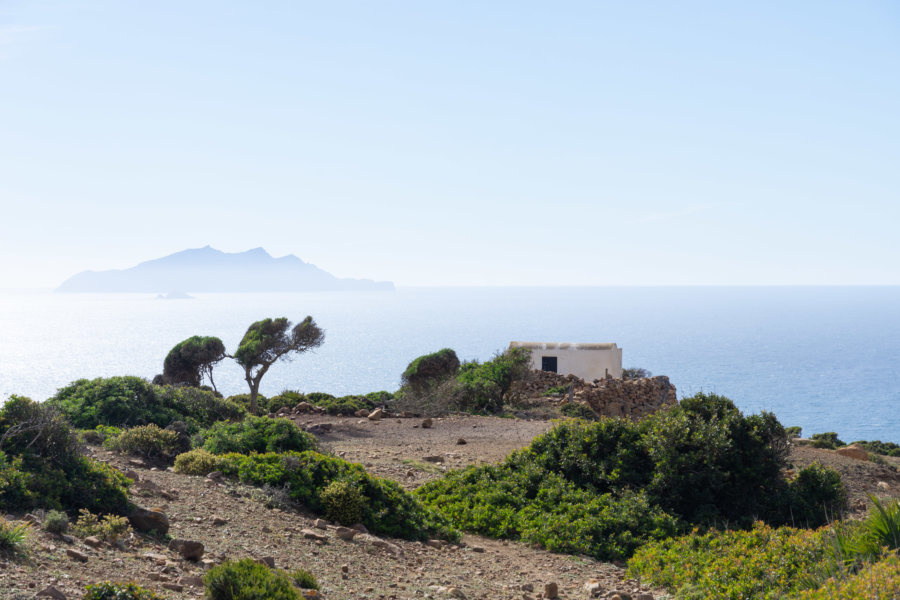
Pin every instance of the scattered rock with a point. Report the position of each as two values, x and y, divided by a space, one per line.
433 459
51 592
461 442
455 592
321 428
376 415
883 485
320 524
345 568
215 476
380 543
93 541
33 519
477 549
854 452
594 588
644 596
152 519
620 596
191 580
527 587
137 462
312 535
132 474
188 549
216 520
175 587
551 590
345 533
269 561
76 555
67 538
360 528
362 413
436 544
427 423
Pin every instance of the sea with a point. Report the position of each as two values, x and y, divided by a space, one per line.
823 358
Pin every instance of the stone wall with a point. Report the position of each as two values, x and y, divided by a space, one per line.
633 398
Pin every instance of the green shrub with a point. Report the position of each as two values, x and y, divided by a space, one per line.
99 434
13 538
248 580
303 579
132 401
110 528
793 431
576 410
429 370
257 434
41 466
56 522
874 581
879 447
197 462
342 502
388 508
635 373
828 440
816 496
345 405
146 440
484 387
762 563
262 403
556 390
118 591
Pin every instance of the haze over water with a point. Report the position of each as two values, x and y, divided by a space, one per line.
824 358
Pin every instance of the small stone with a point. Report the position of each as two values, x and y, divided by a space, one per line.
361 413
320 524
883 485
51 592
477 549
269 561
551 590
153 519
427 423
436 544
33 519
594 588
461 442
433 459
219 520
191 580
175 587
455 592
345 533
76 555
312 535
644 596
93 541
360 528
207 563
67 538
215 475
527 587
345 568
376 415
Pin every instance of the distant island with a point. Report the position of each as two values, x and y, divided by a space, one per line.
209 270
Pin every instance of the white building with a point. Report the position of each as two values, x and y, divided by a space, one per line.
587 361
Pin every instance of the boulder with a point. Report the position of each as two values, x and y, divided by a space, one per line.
76 555
854 452
427 423
551 590
149 519
51 592
345 533
312 535
376 415
188 549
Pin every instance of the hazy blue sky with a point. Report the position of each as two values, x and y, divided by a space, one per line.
456 142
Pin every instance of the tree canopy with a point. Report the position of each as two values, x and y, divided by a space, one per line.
270 340
193 358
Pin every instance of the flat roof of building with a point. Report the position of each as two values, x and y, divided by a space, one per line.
562 346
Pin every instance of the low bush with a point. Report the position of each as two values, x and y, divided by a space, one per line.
99 434
303 579
147 440
56 522
342 502
12 538
132 401
332 405
41 465
118 591
762 563
879 447
110 528
793 431
257 434
874 581
262 403
388 508
828 440
247 579
197 462
429 370
603 488
576 410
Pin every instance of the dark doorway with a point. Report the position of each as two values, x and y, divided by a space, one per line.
548 363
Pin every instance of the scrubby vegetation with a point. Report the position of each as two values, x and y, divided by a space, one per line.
41 466
387 508
430 370
257 434
847 560
605 488
110 528
12 538
246 579
148 441
132 401
119 591
332 405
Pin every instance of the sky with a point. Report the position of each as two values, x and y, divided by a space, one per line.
456 142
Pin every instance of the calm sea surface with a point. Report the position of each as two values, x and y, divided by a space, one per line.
825 358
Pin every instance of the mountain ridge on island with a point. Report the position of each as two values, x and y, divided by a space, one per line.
209 270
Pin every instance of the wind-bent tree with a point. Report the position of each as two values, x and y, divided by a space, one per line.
269 340
193 358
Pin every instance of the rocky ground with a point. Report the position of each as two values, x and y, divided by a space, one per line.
233 521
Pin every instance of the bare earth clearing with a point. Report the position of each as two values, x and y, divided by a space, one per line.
399 449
